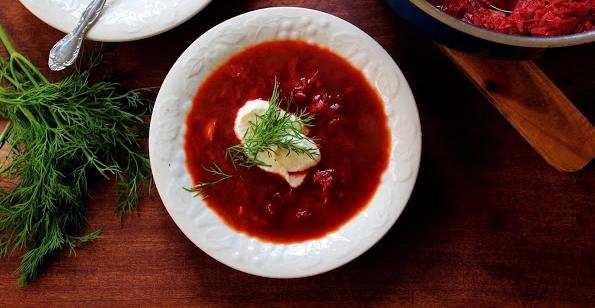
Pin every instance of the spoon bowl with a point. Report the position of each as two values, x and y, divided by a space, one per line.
505 11
505 6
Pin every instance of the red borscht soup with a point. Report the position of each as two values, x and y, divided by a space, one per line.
349 127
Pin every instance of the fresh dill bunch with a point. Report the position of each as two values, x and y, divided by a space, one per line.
214 170
60 137
271 131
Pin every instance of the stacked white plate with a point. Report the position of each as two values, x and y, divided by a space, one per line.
122 20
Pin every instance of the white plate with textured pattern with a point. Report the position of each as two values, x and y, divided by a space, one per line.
122 20
201 225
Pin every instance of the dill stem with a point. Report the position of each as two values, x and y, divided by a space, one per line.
12 81
23 62
58 123
4 134
6 41
28 115
4 100
27 67
3 73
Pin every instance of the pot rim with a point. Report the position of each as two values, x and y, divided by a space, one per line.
501 38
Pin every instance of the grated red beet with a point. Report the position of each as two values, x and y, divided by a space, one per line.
529 17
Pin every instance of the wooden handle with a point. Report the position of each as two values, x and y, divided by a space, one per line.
533 104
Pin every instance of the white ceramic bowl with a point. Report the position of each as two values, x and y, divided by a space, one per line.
122 20
201 225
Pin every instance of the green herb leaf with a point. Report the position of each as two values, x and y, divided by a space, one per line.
215 170
60 138
273 130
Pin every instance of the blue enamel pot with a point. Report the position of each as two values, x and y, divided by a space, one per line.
462 36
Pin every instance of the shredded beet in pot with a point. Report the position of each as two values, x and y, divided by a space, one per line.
527 17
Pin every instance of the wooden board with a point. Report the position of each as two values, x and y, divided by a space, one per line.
535 106
489 223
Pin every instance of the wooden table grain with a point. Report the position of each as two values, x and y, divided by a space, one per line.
489 222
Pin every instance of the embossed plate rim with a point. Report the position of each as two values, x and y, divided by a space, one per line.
206 229
125 28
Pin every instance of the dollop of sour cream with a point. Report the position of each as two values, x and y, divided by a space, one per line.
291 166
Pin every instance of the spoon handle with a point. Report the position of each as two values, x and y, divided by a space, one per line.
65 52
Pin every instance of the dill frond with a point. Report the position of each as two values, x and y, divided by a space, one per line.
63 135
273 130
214 170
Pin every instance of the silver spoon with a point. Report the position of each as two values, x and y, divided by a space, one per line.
65 52
507 12
504 6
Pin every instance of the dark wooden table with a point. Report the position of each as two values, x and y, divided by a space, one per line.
489 223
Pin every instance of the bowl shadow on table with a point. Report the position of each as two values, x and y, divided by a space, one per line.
409 256
391 269
388 271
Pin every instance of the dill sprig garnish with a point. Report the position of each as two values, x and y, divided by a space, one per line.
271 131
60 136
215 170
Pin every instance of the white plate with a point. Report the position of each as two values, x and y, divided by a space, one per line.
122 20
201 225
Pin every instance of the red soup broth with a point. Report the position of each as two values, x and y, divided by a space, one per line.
350 128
